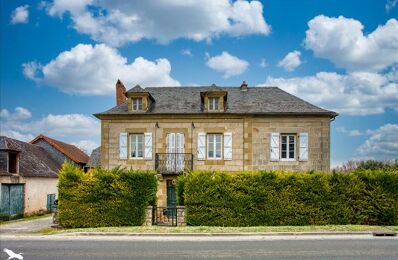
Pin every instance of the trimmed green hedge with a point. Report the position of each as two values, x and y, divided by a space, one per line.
104 198
278 198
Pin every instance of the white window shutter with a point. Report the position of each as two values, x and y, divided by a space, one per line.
201 146
123 146
227 146
303 147
148 146
274 147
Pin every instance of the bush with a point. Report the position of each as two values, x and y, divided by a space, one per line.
278 198
104 198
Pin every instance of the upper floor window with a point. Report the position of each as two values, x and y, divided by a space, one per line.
137 104
136 146
214 144
288 147
214 103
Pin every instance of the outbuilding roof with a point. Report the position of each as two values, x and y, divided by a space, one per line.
254 100
70 151
34 161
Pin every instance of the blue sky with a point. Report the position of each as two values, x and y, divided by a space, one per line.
61 59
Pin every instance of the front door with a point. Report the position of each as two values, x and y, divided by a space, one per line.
171 199
175 152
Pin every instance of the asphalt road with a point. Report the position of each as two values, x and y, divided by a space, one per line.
202 248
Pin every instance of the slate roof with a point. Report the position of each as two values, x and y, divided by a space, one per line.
136 89
95 158
70 151
256 100
34 161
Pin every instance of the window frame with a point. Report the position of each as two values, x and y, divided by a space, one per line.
214 157
288 136
214 103
131 135
138 106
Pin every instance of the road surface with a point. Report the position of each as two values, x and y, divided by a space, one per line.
256 247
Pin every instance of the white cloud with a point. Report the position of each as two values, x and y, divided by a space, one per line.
4 113
81 129
227 64
31 70
19 113
354 132
86 146
359 93
120 22
20 14
263 63
291 61
342 41
93 70
390 4
17 135
186 52
382 144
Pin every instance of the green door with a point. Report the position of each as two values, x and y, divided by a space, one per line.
50 202
171 194
12 200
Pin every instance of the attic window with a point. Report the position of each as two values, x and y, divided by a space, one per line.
12 162
137 104
214 103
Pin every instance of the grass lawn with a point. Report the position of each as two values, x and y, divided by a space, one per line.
2 222
205 229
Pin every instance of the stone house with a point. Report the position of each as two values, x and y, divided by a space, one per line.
61 151
172 129
28 177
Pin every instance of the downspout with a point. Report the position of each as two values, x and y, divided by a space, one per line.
192 156
243 139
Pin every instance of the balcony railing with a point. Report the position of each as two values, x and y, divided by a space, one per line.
173 163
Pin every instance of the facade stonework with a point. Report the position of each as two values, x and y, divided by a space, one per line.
250 146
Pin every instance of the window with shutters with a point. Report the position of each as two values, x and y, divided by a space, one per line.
288 147
137 104
214 146
214 103
137 146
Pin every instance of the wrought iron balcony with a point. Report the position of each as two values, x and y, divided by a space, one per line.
173 163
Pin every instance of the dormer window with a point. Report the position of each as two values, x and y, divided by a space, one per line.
137 104
214 103
12 162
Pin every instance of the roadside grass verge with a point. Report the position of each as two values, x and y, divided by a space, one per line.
4 222
207 229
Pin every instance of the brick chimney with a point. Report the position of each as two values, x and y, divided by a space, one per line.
244 86
120 92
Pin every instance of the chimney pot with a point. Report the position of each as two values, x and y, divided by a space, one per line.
244 86
120 92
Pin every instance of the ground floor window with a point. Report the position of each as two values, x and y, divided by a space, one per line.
136 146
288 147
214 144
